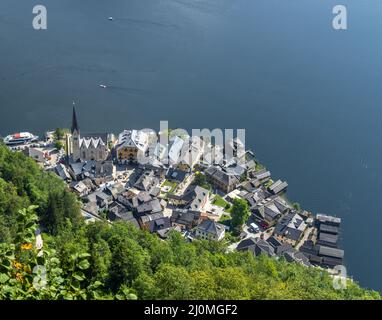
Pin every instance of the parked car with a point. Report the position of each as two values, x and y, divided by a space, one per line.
264 225
254 227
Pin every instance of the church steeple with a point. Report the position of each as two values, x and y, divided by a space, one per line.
74 121
75 138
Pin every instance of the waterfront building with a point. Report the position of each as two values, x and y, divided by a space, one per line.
131 146
86 147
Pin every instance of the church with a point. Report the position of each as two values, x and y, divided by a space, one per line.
86 147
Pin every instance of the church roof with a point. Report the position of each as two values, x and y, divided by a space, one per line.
91 142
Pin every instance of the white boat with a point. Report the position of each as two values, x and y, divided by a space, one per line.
111 18
102 86
20 138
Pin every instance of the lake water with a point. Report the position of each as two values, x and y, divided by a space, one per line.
308 96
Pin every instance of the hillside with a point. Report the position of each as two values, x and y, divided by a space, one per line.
102 261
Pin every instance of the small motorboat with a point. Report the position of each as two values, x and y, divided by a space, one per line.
111 18
103 86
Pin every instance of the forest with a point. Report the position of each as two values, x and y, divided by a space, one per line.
118 261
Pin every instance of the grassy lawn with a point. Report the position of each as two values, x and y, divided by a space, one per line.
219 201
269 183
225 219
170 184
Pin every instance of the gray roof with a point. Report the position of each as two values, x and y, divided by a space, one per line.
245 244
283 248
150 217
147 181
62 172
159 224
211 227
184 217
144 196
91 207
77 167
262 175
268 211
223 176
163 233
201 195
176 175
103 136
323 218
331 252
115 189
331 262
278 187
290 226
152 206
102 195
262 246
98 168
274 242
326 237
293 255
329 229
93 139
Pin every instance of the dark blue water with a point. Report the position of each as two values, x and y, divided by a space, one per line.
309 97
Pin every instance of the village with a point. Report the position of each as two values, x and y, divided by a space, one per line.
186 194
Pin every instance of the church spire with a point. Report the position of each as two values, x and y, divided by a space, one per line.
74 121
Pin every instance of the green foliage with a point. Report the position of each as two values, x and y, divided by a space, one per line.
103 262
23 183
61 206
60 133
297 206
201 181
27 272
171 185
219 201
119 261
239 213
58 145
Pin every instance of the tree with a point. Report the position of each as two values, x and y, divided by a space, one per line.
62 205
146 287
129 260
239 213
58 145
27 272
201 181
173 282
59 134
204 285
100 260
297 206
233 284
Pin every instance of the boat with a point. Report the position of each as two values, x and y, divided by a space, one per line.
102 86
20 138
111 18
